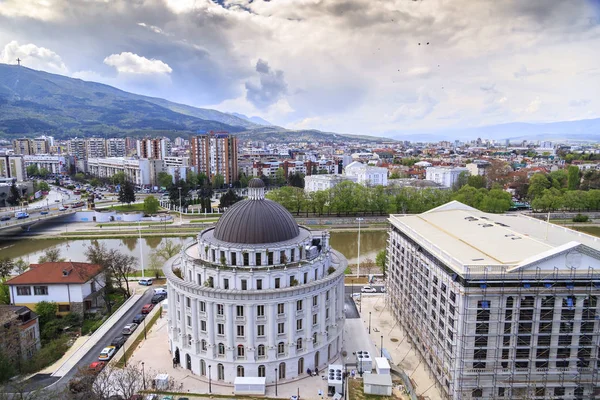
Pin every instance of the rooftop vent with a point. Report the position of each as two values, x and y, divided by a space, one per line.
484 217
471 219
66 272
501 224
487 225
516 238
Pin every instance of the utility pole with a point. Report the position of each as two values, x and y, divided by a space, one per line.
358 258
141 253
180 211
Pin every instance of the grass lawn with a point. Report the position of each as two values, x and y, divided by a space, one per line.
592 230
355 392
112 224
204 220
126 208
350 280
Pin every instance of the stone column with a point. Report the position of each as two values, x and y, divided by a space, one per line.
195 325
251 331
271 327
229 326
183 322
322 321
291 331
210 322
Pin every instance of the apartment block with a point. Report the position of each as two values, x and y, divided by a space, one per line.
77 148
445 176
498 306
22 146
158 148
95 148
142 172
215 153
115 147
12 167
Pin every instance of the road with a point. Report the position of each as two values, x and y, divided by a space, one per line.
42 380
349 305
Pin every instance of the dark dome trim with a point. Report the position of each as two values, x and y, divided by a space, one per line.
255 222
256 183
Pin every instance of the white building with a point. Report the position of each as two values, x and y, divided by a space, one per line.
74 287
366 174
257 293
314 183
445 176
478 167
142 172
54 163
498 306
115 147
95 148
12 167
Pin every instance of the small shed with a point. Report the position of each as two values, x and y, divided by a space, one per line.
250 385
379 385
161 382
382 366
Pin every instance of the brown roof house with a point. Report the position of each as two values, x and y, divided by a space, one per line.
19 332
73 286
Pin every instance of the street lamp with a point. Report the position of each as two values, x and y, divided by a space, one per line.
145 329
369 322
143 376
141 252
381 355
209 381
275 382
180 218
358 259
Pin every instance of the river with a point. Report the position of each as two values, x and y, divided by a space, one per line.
371 242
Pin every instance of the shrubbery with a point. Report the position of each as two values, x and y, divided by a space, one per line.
581 218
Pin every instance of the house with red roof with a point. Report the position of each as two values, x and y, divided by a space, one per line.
73 286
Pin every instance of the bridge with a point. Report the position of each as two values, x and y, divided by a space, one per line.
33 218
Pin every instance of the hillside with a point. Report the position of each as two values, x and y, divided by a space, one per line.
34 101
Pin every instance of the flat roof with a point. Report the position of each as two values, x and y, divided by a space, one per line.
377 379
462 236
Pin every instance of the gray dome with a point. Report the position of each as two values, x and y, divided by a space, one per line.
256 221
256 183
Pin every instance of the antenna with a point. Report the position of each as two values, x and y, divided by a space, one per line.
19 61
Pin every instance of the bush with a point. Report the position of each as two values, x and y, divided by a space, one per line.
330 270
47 355
91 325
581 218
51 330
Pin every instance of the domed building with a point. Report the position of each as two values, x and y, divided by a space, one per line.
258 296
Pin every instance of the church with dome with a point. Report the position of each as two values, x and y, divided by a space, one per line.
256 296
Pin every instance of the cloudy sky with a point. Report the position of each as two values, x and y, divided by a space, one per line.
353 66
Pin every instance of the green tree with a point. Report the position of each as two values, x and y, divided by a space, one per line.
43 186
461 180
244 180
218 181
192 179
95 182
537 184
496 201
126 193
573 178
119 178
280 178
549 200
46 311
575 200
7 265
477 181
32 170
15 195
174 193
229 199
296 179
44 173
164 180
381 261
151 205
559 176
470 196
51 255
79 177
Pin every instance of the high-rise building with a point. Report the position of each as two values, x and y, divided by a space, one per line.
158 148
12 167
40 146
215 153
115 147
95 148
23 146
498 306
77 148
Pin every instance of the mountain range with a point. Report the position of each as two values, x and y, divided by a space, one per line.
35 102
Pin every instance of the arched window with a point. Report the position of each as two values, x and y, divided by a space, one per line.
299 344
203 367
300 365
282 371
203 345
317 359
188 362
262 371
189 340
261 350
221 349
220 372
241 352
281 348
315 339
240 370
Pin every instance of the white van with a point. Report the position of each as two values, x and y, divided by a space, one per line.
145 282
160 291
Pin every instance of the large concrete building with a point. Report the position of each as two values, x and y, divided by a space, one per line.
55 164
142 172
215 153
157 148
445 176
115 147
498 306
256 294
365 174
12 167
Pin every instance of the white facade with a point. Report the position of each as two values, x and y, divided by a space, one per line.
139 171
248 309
115 147
366 174
54 164
12 167
445 176
498 306
56 292
95 147
314 183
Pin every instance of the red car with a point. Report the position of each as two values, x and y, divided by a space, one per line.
147 308
96 367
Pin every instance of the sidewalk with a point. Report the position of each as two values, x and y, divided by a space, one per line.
395 342
91 341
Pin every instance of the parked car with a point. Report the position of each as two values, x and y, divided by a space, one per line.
5 218
62 208
118 341
44 212
57 201
160 291
107 353
157 298
145 282
147 308
139 318
128 329
96 366
368 289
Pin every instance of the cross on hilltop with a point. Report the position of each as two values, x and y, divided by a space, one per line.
19 61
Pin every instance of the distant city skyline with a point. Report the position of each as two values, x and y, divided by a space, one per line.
361 67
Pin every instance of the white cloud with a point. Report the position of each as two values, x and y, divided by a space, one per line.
419 72
534 106
131 63
34 57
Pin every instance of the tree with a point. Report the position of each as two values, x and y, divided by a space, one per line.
164 180
537 184
15 196
46 311
32 170
119 178
381 260
573 178
461 180
51 255
43 186
476 181
116 265
229 199
44 173
497 172
296 179
95 182
21 266
151 205
126 193
174 193
6 267
218 181
367 266
80 177
244 180
280 179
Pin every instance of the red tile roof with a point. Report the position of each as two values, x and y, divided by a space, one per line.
54 272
